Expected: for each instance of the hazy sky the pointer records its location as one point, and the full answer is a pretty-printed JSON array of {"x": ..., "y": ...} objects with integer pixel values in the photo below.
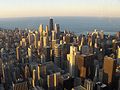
[{"x": 28, "y": 8}]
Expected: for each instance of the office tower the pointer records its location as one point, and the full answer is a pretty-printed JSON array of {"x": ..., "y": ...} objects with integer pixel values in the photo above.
[
  {"x": 33, "y": 77},
  {"x": 2, "y": 51},
  {"x": 109, "y": 67},
  {"x": 114, "y": 45},
  {"x": 50, "y": 81},
  {"x": 118, "y": 52},
  {"x": 57, "y": 30},
  {"x": 53, "y": 35},
  {"x": 30, "y": 54},
  {"x": 20, "y": 86},
  {"x": 40, "y": 43},
  {"x": 96, "y": 48},
  {"x": 53, "y": 43},
  {"x": 85, "y": 49},
  {"x": 42, "y": 58},
  {"x": 38, "y": 68},
  {"x": 85, "y": 65},
  {"x": 47, "y": 53},
  {"x": 66, "y": 39},
  {"x": 101, "y": 75},
  {"x": 41, "y": 30},
  {"x": 33, "y": 74},
  {"x": 18, "y": 53},
  {"x": 72, "y": 60},
  {"x": 7, "y": 75},
  {"x": 57, "y": 55},
  {"x": 89, "y": 39},
  {"x": 35, "y": 40},
  {"x": 81, "y": 43},
  {"x": 1, "y": 69},
  {"x": 101, "y": 33},
  {"x": 47, "y": 31},
  {"x": 23, "y": 42},
  {"x": 3, "y": 73},
  {"x": 27, "y": 72},
  {"x": 118, "y": 35},
  {"x": 45, "y": 41},
  {"x": 95, "y": 79},
  {"x": 88, "y": 84},
  {"x": 56, "y": 79},
  {"x": 31, "y": 38},
  {"x": 51, "y": 24},
  {"x": 64, "y": 49},
  {"x": 53, "y": 80},
  {"x": 43, "y": 70},
  {"x": 91, "y": 48},
  {"x": 15, "y": 73}
]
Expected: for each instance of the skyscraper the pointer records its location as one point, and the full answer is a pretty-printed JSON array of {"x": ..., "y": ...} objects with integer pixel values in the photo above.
[
  {"x": 57, "y": 55},
  {"x": 29, "y": 54},
  {"x": 72, "y": 60},
  {"x": 118, "y": 52},
  {"x": 27, "y": 73},
  {"x": 45, "y": 41},
  {"x": 88, "y": 84},
  {"x": 85, "y": 65},
  {"x": 51, "y": 24},
  {"x": 20, "y": 86},
  {"x": 41, "y": 30},
  {"x": 109, "y": 68}
]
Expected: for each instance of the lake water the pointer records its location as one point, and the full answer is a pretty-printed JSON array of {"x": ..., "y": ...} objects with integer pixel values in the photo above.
[{"x": 75, "y": 24}]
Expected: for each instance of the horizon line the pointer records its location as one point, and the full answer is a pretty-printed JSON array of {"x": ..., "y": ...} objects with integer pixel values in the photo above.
[{"x": 59, "y": 16}]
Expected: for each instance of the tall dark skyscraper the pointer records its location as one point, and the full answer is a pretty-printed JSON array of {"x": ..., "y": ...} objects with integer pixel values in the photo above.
[{"x": 51, "y": 24}]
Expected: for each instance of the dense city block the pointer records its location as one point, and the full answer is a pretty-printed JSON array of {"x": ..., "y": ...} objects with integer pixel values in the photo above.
[{"x": 53, "y": 59}]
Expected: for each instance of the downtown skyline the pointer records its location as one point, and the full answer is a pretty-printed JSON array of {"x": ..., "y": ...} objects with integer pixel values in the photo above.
[{"x": 36, "y": 8}]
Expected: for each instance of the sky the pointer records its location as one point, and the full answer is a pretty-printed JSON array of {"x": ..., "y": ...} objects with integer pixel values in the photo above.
[{"x": 36, "y": 8}]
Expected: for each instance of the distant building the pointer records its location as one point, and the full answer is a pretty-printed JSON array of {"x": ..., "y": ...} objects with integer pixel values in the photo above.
[
  {"x": 51, "y": 26},
  {"x": 20, "y": 86},
  {"x": 88, "y": 84}
]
